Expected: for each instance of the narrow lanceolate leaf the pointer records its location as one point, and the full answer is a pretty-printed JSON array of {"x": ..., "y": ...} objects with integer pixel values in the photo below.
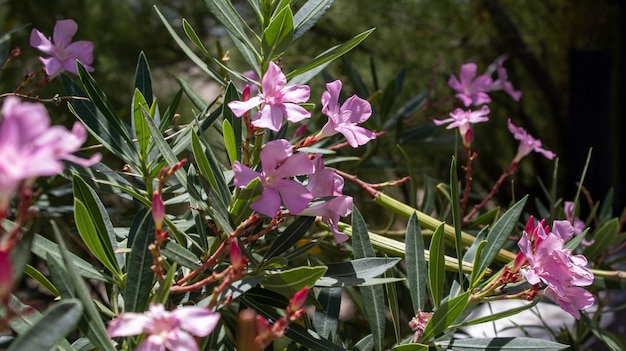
[
  {"x": 41, "y": 279},
  {"x": 394, "y": 306},
  {"x": 308, "y": 15},
  {"x": 95, "y": 227},
  {"x": 445, "y": 315},
  {"x": 476, "y": 274},
  {"x": 416, "y": 263},
  {"x": 603, "y": 238},
  {"x": 25, "y": 318},
  {"x": 289, "y": 237},
  {"x": 97, "y": 331},
  {"x": 231, "y": 94},
  {"x": 504, "y": 343},
  {"x": 373, "y": 296},
  {"x": 229, "y": 142},
  {"x": 104, "y": 130},
  {"x": 278, "y": 34},
  {"x": 321, "y": 61},
  {"x": 240, "y": 207},
  {"x": 58, "y": 321},
  {"x": 191, "y": 34},
  {"x": 500, "y": 233},
  {"x": 139, "y": 124},
  {"x": 210, "y": 168},
  {"x": 436, "y": 266},
  {"x": 456, "y": 215},
  {"x": 143, "y": 80},
  {"x": 292, "y": 280},
  {"x": 139, "y": 276},
  {"x": 327, "y": 320}
]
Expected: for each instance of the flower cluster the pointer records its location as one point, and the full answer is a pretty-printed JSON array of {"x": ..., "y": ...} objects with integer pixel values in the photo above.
[
  {"x": 281, "y": 167},
  {"x": 544, "y": 260}
]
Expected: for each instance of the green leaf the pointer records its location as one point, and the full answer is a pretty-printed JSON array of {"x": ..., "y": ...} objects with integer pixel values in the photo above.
[
  {"x": 42, "y": 247},
  {"x": 508, "y": 344},
  {"x": 436, "y": 266},
  {"x": 95, "y": 227},
  {"x": 289, "y": 237},
  {"x": 143, "y": 81},
  {"x": 326, "y": 319},
  {"x": 97, "y": 331},
  {"x": 139, "y": 125},
  {"x": 139, "y": 276},
  {"x": 210, "y": 168},
  {"x": 415, "y": 263},
  {"x": 229, "y": 142},
  {"x": 187, "y": 50},
  {"x": 191, "y": 34},
  {"x": 318, "y": 63},
  {"x": 500, "y": 233},
  {"x": 292, "y": 280},
  {"x": 170, "y": 112},
  {"x": 373, "y": 296},
  {"x": 308, "y": 15},
  {"x": 411, "y": 347},
  {"x": 278, "y": 34},
  {"x": 394, "y": 305},
  {"x": 603, "y": 238},
  {"x": 445, "y": 315},
  {"x": 367, "y": 267},
  {"x": 476, "y": 274},
  {"x": 109, "y": 131},
  {"x": 25, "y": 318},
  {"x": 230, "y": 19},
  {"x": 240, "y": 207},
  {"x": 456, "y": 215},
  {"x": 41, "y": 279},
  {"x": 61, "y": 279},
  {"x": 58, "y": 321},
  {"x": 499, "y": 315}
]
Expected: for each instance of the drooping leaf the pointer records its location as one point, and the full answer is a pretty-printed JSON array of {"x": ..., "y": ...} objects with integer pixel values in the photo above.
[
  {"x": 41, "y": 279},
  {"x": 56, "y": 322}
]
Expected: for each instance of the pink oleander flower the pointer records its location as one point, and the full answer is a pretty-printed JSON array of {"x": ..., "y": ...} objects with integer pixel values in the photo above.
[
  {"x": 279, "y": 164},
  {"x": 276, "y": 100},
  {"x": 327, "y": 186},
  {"x": 502, "y": 83},
  {"x": 171, "y": 330},
  {"x": 577, "y": 223},
  {"x": 471, "y": 89},
  {"x": 63, "y": 53},
  {"x": 548, "y": 262},
  {"x": 158, "y": 210},
  {"x": 30, "y": 147},
  {"x": 527, "y": 143},
  {"x": 344, "y": 119},
  {"x": 464, "y": 120}
]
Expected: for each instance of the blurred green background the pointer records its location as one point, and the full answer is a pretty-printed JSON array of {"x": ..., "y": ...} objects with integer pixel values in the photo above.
[{"x": 567, "y": 57}]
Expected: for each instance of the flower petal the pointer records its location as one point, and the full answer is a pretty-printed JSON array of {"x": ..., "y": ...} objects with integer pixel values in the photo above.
[
  {"x": 41, "y": 42},
  {"x": 330, "y": 97},
  {"x": 64, "y": 30},
  {"x": 295, "y": 113},
  {"x": 243, "y": 175},
  {"x": 295, "y": 196},
  {"x": 198, "y": 321},
  {"x": 127, "y": 324},
  {"x": 268, "y": 203},
  {"x": 274, "y": 153},
  {"x": 241, "y": 107}
]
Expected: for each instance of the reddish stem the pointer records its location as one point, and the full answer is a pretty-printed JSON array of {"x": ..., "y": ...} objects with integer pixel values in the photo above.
[{"x": 512, "y": 169}]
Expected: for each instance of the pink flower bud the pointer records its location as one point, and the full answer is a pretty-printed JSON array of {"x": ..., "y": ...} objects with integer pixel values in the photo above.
[
  {"x": 245, "y": 94},
  {"x": 158, "y": 210},
  {"x": 237, "y": 260},
  {"x": 298, "y": 300}
]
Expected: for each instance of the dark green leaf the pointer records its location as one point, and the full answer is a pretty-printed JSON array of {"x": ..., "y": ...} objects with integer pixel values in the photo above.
[
  {"x": 327, "y": 320},
  {"x": 41, "y": 279},
  {"x": 240, "y": 207},
  {"x": 603, "y": 238},
  {"x": 445, "y": 315},
  {"x": 436, "y": 266},
  {"x": 278, "y": 34},
  {"x": 416, "y": 263},
  {"x": 500, "y": 233},
  {"x": 58, "y": 275},
  {"x": 508, "y": 344},
  {"x": 456, "y": 216},
  {"x": 143, "y": 81},
  {"x": 308, "y": 15},
  {"x": 292, "y": 280},
  {"x": 139, "y": 125},
  {"x": 139, "y": 275},
  {"x": 289, "y": 237},
  {"x": 54, "y": 325}
]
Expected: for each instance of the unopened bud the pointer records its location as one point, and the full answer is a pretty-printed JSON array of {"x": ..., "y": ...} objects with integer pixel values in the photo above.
[
  {"x": 158, "y": 211},
  {"x": 298, "y": 300},
  {"x": 245, "y": 95}
]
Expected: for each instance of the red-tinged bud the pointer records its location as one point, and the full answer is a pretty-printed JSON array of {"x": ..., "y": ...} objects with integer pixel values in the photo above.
[
  {"x": 300, "y": 131},
  {"x": 177, "y": 166},
  {"x": 298, "y": 300},
  {"x": 263, "y": 328},
  {"x": 158, "y": 211},
  {"x": 245, "y": 95},
  {"x": 520, "y": 260},
  {"x": 6, "y": 275},
  {"x": 468, "y": 137},
  {"x": 530, "y": 225},
  {"x": 237, "y": 260},
  {"x": 16, "y": 52}
]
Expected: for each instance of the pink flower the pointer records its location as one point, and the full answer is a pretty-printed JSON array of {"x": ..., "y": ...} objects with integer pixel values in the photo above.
[
  {"x": 344, "y": 119},
  {"x": 502, "y": 83},
  {"x": 548, "y": 262},
  {"x": 30, "y": 147},
  {"x": 327, "y": 186},
  {"x": 276, "y": 100},
  {"x": 279, "y": 164},
  {"x": 158, "y": 210},
  {"x": 469, "y": 89},
  {"x": 463, "y": 120},
  {"x": 63, "y": 52},
  {"x": 170, "y": 330},
  {"x": 527, "y": 143}
]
